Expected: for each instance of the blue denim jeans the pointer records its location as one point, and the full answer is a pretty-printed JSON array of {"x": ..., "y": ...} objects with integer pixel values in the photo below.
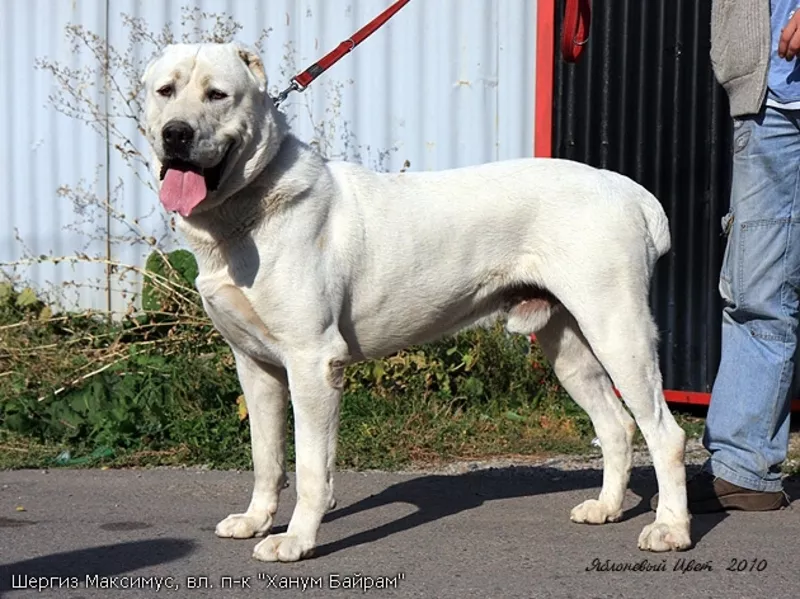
[{"x": 747, "y": 429}]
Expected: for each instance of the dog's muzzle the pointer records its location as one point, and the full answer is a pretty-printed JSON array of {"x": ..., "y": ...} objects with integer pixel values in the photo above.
[{"x": 185, "y": 183}]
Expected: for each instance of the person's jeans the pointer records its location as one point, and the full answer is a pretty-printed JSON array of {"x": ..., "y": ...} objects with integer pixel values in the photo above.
[{"x": 747, "y": 429}]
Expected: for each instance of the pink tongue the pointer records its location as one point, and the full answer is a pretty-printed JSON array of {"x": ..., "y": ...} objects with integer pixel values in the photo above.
[{"x": 182, "y": 191}]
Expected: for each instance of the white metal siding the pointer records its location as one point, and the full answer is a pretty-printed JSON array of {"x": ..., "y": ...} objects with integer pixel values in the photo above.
[{"x": 445, "y": 83}]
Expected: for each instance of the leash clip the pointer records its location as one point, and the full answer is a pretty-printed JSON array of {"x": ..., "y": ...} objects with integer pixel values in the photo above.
[{"x": 293, "y": 87}]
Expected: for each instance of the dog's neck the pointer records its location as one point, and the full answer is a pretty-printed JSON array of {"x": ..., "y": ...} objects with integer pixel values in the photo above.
[{"x": 211, "y": 232}]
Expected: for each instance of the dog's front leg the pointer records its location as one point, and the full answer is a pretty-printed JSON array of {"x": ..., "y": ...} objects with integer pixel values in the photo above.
[
  {"x": 266, "y": 390},
  {"x": 315, "y": 384}
]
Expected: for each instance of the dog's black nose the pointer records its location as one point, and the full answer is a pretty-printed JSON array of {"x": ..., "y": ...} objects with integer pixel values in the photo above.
[{"x": 178, "y": 137}]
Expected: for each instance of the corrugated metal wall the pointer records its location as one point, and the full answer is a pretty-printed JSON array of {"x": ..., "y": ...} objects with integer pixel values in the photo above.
[
  {"x": 643, "y": 101},
  {"x": 42, "y": 149},
  {"x": 443, "y": 84}
]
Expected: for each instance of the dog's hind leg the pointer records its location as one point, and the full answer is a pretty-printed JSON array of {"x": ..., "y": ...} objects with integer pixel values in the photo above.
[
  {"x": 623, "y": 336},
  {"x": 583, "y": 377},
  {"x": 266, "y": 391}
]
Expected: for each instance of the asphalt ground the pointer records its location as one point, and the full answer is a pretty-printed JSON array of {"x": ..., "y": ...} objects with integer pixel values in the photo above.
[{"x": 496, "y": 532}]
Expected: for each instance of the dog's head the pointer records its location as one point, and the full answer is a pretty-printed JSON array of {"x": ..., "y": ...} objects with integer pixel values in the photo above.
[{"x": 210, "y": 123}]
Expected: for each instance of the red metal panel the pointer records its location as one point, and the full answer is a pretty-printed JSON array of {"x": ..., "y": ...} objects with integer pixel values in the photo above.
[{"x": 545, "y": 50}]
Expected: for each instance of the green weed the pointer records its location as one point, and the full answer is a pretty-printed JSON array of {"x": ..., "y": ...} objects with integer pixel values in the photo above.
[{"x": 160, "y": 387}]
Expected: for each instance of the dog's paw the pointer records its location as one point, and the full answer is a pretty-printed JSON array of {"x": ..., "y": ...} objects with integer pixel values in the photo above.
[
  {"x": 665, "y": 537},
  {"x": 282, "y": 548},
  {"x": 594, "y": 511},
  {"x": 244, "y": 526}
]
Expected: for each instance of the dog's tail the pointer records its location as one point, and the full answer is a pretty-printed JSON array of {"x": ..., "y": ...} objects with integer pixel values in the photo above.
[
  {"x": 649, "y": 209},
  {"x": 657, "y": 225}
]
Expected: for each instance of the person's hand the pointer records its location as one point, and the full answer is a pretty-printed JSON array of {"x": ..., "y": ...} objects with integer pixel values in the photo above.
[{"x": 789, "y": 44}]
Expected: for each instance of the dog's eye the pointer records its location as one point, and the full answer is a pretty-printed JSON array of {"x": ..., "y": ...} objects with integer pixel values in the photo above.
[
  {"x": 215, "y": 94},
  {"x": 165, "y": 90}
]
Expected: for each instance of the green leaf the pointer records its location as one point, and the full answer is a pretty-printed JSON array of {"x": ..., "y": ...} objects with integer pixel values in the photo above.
[
  {"x": 469, "y": 360},
  {"x": 182, "y": 269},
  {"x": 511, "y": 415},
  {"x": 6, "y": 291},
  {"x": 26, "y": 298}
]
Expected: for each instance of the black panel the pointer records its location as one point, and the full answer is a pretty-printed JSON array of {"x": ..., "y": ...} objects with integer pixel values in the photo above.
[{"x": 643, "y": 101}]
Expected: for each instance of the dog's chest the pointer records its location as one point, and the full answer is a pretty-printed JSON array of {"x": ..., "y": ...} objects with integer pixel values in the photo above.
[{"x": 239, "y": 324}]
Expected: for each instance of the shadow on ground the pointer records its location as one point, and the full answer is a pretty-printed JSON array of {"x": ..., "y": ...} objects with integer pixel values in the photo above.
[
  {"x": 106, "y": 560},
  {"x": 440, "y": 496}
]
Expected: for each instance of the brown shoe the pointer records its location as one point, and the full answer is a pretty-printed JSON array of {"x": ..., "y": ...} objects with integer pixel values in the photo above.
[{"x": 707, "y": 493}]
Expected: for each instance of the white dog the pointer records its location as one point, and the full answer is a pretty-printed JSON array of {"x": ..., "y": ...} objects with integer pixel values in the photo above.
[{"x": 307, "y": 265}]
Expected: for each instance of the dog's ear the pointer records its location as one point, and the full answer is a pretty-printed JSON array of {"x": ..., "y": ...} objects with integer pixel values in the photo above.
[{"x": 254, "y": 64}]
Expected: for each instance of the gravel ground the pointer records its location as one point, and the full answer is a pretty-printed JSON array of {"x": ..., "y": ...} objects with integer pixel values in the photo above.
[{"x": 695, "y": 455}]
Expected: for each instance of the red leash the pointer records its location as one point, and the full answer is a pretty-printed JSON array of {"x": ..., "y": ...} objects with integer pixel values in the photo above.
[
  {"x": 575, "y": 31},
  {"x": 302, "y": 80}
]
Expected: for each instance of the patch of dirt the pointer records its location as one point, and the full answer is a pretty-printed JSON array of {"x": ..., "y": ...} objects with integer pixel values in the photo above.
[{"x": 696, "y": 454}]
